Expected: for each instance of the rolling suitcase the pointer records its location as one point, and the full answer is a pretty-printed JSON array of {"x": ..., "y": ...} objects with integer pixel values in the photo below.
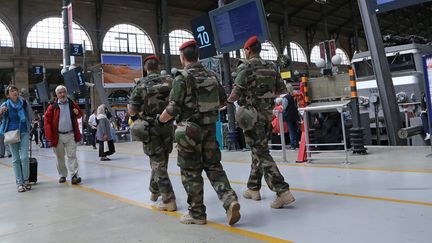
[{"x": 33, "y": 164}]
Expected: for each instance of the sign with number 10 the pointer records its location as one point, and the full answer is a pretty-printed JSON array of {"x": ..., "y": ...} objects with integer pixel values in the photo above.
[{"x": 203, "y": 34}]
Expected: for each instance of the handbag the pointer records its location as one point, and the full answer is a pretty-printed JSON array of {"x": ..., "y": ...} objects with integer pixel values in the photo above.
[
  {"x": 12, "y": 137},
  {"x": 106, "y": 147}
]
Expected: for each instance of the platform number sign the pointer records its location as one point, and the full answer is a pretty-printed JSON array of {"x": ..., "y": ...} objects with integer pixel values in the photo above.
[
  {"x": 203, "y": 37},
  {"x": 203, "y": 34},
  {"x": 76, "y": 49},
  {"x": 38, "y": 70}
]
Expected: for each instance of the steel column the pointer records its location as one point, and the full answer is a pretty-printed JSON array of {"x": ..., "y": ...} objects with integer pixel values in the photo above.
[
  {"x": 66, "y": 47},
  {"x": 232, "y": 133},
  {"x": 382, "y": 72},
  {"x": 324, "y": 16},
  {"x": 285, "y": 29},
  {"x": 165, "y": 31},
  {"x": 355, "y": 28}
]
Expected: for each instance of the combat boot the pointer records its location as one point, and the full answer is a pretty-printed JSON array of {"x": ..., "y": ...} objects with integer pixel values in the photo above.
[
  {"x": 187, "y": 219},
  {"x": 285, "y": 198},
  {"x": 251, "y": 194},
  {"x": 169, "y": 206},
  {"x": 233, "y": 213},
  {"x": 154, "y": 196}
]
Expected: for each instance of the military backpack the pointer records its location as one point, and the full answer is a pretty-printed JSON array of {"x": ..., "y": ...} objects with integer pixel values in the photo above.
[
  {"x": 155, "y": 95},
  {"x": 261, "y": 83},
  {"x": 205, "y": 89}
]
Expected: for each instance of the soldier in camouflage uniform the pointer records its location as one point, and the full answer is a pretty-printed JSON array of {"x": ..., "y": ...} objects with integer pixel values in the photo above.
[
  {"x": 194, "y": 101},
  {"x": 256, "y": 85},
  {"x": 148, "y": 99}
]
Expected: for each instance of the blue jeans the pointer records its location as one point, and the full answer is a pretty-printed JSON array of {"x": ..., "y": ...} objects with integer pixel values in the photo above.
[
  {"x": 292, "y": 129},
  {"x": 424, "y": 118},
  {"x": 20, "y": 158}
]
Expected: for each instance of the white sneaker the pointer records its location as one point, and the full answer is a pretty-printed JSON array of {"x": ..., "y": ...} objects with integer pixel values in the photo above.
[{"x": 427, "y": 137}]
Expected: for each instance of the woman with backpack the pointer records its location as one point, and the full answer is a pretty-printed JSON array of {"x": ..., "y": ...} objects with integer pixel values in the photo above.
[{"x": 15, "y": 127}]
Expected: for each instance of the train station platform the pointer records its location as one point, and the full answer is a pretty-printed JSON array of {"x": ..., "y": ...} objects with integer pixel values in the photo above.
[{"x": 385, "y": 196}]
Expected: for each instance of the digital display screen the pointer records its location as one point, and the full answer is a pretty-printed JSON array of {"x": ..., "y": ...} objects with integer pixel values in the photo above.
[
  {"x": 235, "y": 23},
  {"x": 389, "y": 5},
  {"x": 384, "y": 1},
  {"x": 120, "y": 71}
]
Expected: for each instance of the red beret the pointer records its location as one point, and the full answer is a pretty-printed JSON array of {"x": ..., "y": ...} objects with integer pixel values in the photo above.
[
  {"x": 188, "y": 43},
  {"x": 151, "y": 57},
  {"x": 252, "y": 40}
]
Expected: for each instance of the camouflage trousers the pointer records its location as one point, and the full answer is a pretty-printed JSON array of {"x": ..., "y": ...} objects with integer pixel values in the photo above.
[
  {"x": 158, "y": 149},
  {"x": 262, "y": 162},
  {"x": 204, "y": 156}
]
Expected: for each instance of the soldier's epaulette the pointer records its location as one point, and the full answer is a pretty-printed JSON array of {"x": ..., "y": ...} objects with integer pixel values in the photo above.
[
  {"x": 166, "y": 76},
  {"x": 183, "y": 73}
]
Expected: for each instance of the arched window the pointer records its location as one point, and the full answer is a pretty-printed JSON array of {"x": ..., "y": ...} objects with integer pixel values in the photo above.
[
  {"x": 48, "y": 34},
  {"x": 127, "y": 38},
  {"x": 5, "y": 36},
  {"x": 344, "y": 56},
  {"x": 176, "y": 39},
  {"x": 315, "y": 54},
  {"x": 297, "y": 53},
  {"x": 268, "y": 51},
  {"x": 234, "y": 55}
]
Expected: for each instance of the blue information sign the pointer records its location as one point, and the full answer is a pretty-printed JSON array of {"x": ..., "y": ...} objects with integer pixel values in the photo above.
[
  {"x": 76, "y": 49},
  {"x": 38, "y": 70}
]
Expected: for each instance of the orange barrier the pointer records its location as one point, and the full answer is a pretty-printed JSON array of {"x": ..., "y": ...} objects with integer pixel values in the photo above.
[{"x": 301, "y": 156}]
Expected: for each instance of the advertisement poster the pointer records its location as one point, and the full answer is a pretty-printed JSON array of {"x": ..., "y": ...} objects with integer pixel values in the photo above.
[
  {"x": 427, "y": 64},
  {"x": 120, "y": 71},
  {"x": 428, "y": 82}
]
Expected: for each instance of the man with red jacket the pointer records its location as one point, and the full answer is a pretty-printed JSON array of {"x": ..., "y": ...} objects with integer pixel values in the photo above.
[{"x": 61, "y": 129}]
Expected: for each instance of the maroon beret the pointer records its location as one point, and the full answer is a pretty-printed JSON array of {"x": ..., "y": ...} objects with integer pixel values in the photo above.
[
  {"x": 188, "y": 43},
  {"x": 252, "y": 40},
  {"x": 154, "y": 57}
]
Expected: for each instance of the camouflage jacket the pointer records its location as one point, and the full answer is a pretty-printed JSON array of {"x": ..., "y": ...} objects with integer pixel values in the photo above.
[
  {"x": 150, "y": 95},
  {"x": 196, "y": 95},
  {"x": 257, "y": 84}
]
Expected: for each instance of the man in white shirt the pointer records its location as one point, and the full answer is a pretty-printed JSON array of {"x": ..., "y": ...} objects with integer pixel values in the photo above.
[{"x": 92, "y": 126}]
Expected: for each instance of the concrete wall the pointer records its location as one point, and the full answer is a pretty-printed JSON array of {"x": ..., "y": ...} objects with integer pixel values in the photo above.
[{"x": 144, "y": 15}]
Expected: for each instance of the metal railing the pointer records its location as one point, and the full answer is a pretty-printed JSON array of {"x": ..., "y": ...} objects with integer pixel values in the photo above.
[{"x": 281, "y": 134}]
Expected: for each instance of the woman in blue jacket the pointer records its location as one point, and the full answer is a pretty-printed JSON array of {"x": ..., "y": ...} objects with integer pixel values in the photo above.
[{"x": 15, "y": 112}]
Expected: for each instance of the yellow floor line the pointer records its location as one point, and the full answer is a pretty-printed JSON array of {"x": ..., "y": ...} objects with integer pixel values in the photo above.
[
  {"x": 364, "y": 197},
  {"x": 357, "y": 168},
  {"x": 346, "y": 167},
  {"x": 292, "y": 189},
  {"x": 238, "y": 231}
]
